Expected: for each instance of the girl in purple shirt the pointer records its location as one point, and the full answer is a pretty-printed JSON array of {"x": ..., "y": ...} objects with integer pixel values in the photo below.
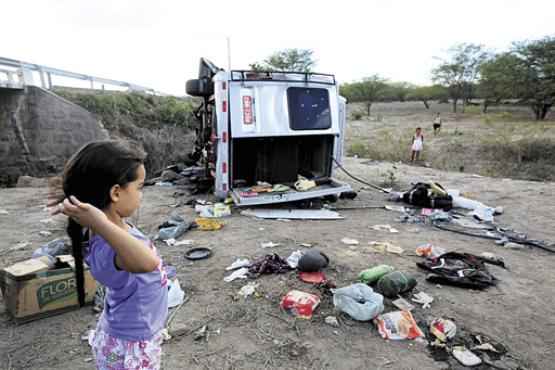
[{"x": 102, "y": 185}]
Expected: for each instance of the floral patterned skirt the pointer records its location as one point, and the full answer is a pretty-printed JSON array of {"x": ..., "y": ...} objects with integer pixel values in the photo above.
[{"x": 113, "y": 353}]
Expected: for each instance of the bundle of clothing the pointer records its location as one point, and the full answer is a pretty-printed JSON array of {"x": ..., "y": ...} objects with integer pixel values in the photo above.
[
  {"x": 428, "y": 195},
  {"x": 460, "y": 269}
]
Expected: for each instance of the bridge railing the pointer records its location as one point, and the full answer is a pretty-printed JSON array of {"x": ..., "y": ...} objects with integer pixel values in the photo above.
[{"x": 18, "y": 74}]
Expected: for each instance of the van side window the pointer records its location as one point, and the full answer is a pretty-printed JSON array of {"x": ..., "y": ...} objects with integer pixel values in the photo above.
[{"x": 309, "y": 108}]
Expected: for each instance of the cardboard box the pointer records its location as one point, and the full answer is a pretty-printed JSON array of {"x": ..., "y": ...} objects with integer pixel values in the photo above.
[{"x": 31, "y": 290}]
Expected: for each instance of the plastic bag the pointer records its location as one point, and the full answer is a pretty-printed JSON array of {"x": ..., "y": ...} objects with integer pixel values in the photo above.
[
  {"x": 373, "y": 274},
  {"x": 52, "y": 249},
  {"x": 358, "y": 301},
  {"x": 398, "y": 325},
  {"x": 300, "y": 304},
  {"x": 176, "y": 295}
]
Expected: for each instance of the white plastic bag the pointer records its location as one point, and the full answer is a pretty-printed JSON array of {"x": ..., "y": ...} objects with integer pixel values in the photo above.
[{"x": 358, "y": 301}]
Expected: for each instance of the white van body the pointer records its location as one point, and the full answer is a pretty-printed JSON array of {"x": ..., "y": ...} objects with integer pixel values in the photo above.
[{"x": 272, "y": 127}]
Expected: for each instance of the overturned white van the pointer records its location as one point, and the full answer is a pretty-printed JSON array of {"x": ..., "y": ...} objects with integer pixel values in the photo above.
[{"x": 268, "y": 128}]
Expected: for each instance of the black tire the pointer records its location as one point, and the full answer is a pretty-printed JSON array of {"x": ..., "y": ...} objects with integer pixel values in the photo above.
[{"x": 198, "y": 87}]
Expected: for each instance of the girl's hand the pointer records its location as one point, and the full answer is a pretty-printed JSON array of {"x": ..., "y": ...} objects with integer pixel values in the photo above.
[{"x": 84, "y": 214}]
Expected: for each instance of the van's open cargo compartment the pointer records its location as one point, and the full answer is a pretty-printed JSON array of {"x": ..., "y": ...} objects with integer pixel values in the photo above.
[{"x": 279, "y": 160}]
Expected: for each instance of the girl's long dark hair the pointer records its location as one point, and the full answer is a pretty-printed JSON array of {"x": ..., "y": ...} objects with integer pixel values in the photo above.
[{"x": 89, "y": 175}]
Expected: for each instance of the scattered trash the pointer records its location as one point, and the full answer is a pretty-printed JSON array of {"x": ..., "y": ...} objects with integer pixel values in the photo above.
[
  {"x": 293, "y": 259},
  {"x": 200, "y": 334},
  {"x": 174, "y": 243},
  {"x": 382, "y": 247},
  {"x": 426, "y": 211},
  {"x": 398, "y": 325},
  {"x": 399, "y": 209},
  {"x": 439, "y": 216},
  {"x": 269, "y": 264},
  {"x": 242, "y": 273},
  {"x": 385, "y": 228},
  {"x": 176, "y": 295},
  {"x": 395, "y": 283},
  {"x": 403, "y": 304},
  {"x": 423, "y": 298},
  {"x": 312, "y": 260},
  {"x": 332, "y": 321},
  {"x": 371, "y": 275},
  {"x": 492, "y": 257},
  {"x": 293, "y": 214},
  {"x": 248, "y": 289},
  {"x": 173, "y": 228},
  {"x": 358, "y": 301},
  {"x": 465, "y": 356},
  {"x": 208, "y": 224},
  {"x": 4, "y": 212},
  {"x": 460, "y": 269},
  {"x": 269, "y": 244},
  {"x": 443, "y": 329},
  {"x": 317, "y": 277},
  {"x": 217, "y": 210},
  {"x": 303, "y": 184},
  {"x": 300, "y": 304},
  {"x": 238, "y": 263},
  {"x": 478, "y": 209},
  {"x": 349, "y": 241},
  {"x": 198, "y": 253},
  {"x": 46, "y": 221},
  {"x": 45, "y": 233},
  {"x": 511, "y": 245},
  {"x": 305, "y": 245},
  {"x": 429, "y": 250}
]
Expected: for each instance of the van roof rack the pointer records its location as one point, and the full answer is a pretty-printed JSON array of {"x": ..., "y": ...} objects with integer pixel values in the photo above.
[{"x": 283, "y": 76}]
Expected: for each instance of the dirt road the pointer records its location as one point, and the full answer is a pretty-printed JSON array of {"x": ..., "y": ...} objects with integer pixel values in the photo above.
[{"x": 254, "y": 334}]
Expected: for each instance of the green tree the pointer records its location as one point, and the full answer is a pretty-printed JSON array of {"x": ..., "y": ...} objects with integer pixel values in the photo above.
[
  {"x": 368, "y": 91},
  {"x": 397, "y": 91},
  {"x": 427, "y": 93},
  {"x": 460, "y": 71},
  {"x": 287, "y": 60},
  {"x": 499, "y": 79}
]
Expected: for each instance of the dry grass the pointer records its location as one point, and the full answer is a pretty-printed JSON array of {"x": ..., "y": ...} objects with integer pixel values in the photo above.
[{"x": 503, "y": 143}]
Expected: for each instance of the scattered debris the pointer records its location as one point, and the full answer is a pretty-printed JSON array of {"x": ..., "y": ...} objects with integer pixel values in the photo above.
[
  {"x": 511, "y": 245},
  {"x": 269, "y": 244},
  {"x": 385, "y": 228},
  {"x": 242, "y": 273},
  {"x": 300, "y": 304},
  {"x": 317, "y": 277},
  {"x": 382, "y": 247},
  {"x": 398, "y": 325},
  {"x": 248, "y": 289},
  {"x": 198, "y": 253},
  {"x": 371, "y": 275},
  {"x": 349, "y": 241},
  {"x": 293, "y": 259},
  {"x": 176, "y": 295},
  {"x": 173, "y": 228},
  {"x": 332, "y": 321},
  {"x": 465, "y": 356},
  {"x": 269, "y": 264},
  {"x": 208, "y": 224},
  {"x": 394, "y": 283},
  {"x": 423, "y": 298},
  {"x": 45, "y": 233},
  {"x": 403, "y": 304},
  {"x": 443, "y": 329},
  {"x": 239, "y": 262},
  {"x": 460, "y": 269},
  {"x": 217, "y": 210},
  {"x": 4, "y": 212},
  {"x": 312, "y": 260},
  {"x": 429, "y": 250},
  {"x": 293, "y": 214},
  {"x": 400, "y": 209},
  {"x": 201, "y": 334},
  {"x": 359, "y": 301},
  {"x": 174, "y": 243}
]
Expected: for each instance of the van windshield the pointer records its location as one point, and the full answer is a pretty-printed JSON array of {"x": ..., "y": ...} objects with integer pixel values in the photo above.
[{"x": 309, "y": 108}]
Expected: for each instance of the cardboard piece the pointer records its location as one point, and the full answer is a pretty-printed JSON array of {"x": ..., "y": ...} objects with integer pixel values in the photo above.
[{"x": 32, "y": 291}]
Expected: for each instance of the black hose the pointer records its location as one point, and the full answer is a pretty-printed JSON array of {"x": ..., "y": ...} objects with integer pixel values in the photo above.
[{"x": 359, "y": 180}]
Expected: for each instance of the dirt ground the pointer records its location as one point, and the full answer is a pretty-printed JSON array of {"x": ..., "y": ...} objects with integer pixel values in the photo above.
[{"x": 255, "y": 334}]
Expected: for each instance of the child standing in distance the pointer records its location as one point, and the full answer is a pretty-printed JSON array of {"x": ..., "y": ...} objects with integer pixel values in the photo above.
[
  {"x": 417, "y": 144},
  {"x": 102, "y": 184},
  {"x": 437, "y": 123}
]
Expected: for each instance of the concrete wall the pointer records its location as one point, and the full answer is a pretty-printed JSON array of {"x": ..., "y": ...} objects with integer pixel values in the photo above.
[{"x": 39, "y": 131}]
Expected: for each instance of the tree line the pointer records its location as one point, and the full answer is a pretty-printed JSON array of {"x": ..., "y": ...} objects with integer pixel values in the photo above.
[{"x": 524, "y": 74}]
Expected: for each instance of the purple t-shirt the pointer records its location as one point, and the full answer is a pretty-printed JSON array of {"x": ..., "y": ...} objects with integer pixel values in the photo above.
[{"x": 136, "y": 304}]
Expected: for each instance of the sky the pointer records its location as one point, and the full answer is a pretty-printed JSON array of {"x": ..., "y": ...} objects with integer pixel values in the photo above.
[{"x": 158, "y": 43}]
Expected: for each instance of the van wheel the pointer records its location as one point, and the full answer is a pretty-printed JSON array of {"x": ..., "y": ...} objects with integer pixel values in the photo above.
[{"x": 198, "y": 87}]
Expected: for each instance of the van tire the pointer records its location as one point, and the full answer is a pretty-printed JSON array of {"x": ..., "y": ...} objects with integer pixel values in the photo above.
[{"x": 199, "y": 87}]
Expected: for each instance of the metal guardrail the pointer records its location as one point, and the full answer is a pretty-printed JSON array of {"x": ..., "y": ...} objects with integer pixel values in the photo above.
[{"x": 17, "y": 74}]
